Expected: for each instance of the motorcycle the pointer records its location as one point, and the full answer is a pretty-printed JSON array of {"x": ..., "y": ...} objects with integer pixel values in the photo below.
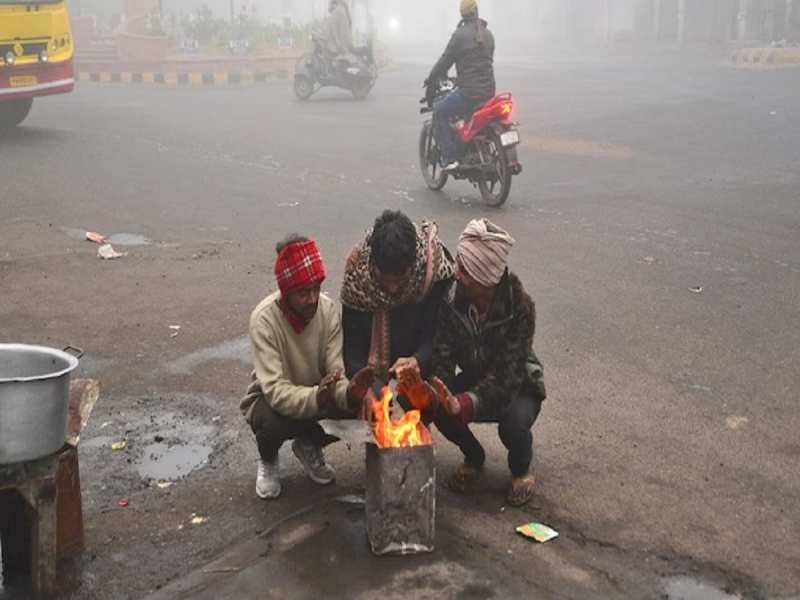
[
  {"x": 488, "y": 140},
  {"x": 316, "y": 70}
]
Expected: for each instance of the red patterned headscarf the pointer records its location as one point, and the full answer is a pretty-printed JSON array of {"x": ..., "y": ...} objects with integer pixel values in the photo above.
[{"x": 299, "y": 264}]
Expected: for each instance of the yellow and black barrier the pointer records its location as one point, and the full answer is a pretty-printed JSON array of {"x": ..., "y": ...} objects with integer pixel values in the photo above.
[
  {"x": 766, "y": 58},
  {"x": 183, "y": 79}
]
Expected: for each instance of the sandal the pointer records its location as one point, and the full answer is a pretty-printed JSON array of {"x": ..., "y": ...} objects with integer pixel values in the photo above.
[
  {"x": 521, "y": 490},
  {"x": 463, "y": 478}
]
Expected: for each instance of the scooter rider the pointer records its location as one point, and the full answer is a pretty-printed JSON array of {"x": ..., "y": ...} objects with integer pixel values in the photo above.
[
  {"x": 471, "y": 49},
  {"x": 338, "y": 33}
]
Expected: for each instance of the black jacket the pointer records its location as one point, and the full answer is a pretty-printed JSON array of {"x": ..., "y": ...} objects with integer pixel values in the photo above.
[
  {"x": 496, "y": 357},
  {"x": 471, "y": 49},
  {"x": 411, "y": 331}
]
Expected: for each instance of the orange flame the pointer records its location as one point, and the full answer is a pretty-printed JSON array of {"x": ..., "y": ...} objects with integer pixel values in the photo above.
[{"x": 405, "y": 432}]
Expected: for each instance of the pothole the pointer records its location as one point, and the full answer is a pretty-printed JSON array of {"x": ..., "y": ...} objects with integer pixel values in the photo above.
[
  {"x": 162, "y": 461},
  {"x": 174, "y": 447}
]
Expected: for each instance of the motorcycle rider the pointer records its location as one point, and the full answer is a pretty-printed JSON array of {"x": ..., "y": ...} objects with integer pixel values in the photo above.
[
  {"x": 471, "y": 49},
  {"x": 338, "y": 33}
]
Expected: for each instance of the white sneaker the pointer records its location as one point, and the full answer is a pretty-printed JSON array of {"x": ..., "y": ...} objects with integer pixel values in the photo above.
[
  {"x": 453, "y": 166},
  {"x": 268, "y": 481},
  {"x": 313, "y": 461}
]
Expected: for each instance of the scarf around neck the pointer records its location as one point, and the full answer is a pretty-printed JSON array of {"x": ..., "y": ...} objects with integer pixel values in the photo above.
[{"x": 361, "y": 290}]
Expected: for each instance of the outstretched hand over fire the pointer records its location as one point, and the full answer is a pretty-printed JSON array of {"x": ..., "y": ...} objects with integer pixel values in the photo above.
[
  {"x": 358, "y": 387},
  {"x": 419, "y": 393},
  {"x": 404, "y": 364},
  {"x": 450, "y": 403},
  {"x": 326, "y": 391}
]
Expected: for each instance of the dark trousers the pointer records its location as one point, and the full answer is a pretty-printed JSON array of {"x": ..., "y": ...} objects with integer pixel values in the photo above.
[
  {"x": 272, "y": 429},
  {"x": 455, "y": 104},
  {"x": 514, "y": 425}
]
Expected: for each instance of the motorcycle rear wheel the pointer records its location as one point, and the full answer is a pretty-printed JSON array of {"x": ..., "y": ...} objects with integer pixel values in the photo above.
[
  {"x": 495, "y": 187},
  {"x": 303, "y": 87},
  {"x": 432, "y": 172},
  {"x": 361, "y": 90}
]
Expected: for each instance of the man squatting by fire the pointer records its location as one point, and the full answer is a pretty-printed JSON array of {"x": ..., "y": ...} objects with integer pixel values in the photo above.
[
  {"x": 486, "y": 323},
  {"x": 401, "y": 286},
  {"x": 296, "y": 336},
  {"x": 393, "y": 285}
]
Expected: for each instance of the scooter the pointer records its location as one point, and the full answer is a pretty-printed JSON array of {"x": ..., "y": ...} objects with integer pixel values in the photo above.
[{"x": 315, "y": 70}]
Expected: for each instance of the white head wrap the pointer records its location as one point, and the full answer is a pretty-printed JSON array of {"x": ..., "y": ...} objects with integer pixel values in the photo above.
[{"x": 483, "y": 250}]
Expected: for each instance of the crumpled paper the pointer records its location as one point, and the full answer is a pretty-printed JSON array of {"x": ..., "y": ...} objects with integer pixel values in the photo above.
[{"x": 107, "y": 252}]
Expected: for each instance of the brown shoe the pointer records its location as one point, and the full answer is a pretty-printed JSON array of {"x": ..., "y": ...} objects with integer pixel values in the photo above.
[
  {"x": 521, "y": 490},
  {"x": 464, "y": 477}
]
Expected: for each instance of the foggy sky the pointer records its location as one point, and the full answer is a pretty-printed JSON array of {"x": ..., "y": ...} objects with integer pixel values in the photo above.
[{"x": 430, "y": 22}]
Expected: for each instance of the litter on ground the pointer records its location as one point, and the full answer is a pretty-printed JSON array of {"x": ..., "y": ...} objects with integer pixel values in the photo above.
[
  {"x": 97, "y": 238},
  {"x": 537, "y": 531},
  {"x": 107, "y": 252}
]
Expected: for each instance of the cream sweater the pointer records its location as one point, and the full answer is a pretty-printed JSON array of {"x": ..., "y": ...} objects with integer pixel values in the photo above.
[{"x": 288, "y": 365}]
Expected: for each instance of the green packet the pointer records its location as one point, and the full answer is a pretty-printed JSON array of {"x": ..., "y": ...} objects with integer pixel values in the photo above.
[{"x": 537, "y": 531}]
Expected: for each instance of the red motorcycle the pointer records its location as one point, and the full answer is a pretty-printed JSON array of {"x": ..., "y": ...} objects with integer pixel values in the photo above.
[{"x": 489, "y": 140}]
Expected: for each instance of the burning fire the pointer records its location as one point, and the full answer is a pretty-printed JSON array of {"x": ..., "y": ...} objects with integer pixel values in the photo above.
[{"x": 405, "y": 432}]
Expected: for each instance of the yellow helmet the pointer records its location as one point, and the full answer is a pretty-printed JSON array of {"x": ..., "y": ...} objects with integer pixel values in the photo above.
[{"x": 469, "y": 8}]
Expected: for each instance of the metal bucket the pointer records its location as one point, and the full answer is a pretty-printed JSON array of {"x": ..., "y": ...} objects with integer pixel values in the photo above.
[
  {"x": 34, "y": 397},
  {"x": 401, "y": 499}
]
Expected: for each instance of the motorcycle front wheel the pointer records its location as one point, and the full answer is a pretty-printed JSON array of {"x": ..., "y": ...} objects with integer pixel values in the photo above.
[
  {"x": 435, "y": 178},
  {"x": 495, "y": 185}
]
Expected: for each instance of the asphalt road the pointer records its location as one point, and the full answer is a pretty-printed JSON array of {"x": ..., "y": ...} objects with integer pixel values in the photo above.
[{"x": 658, "y": 229}]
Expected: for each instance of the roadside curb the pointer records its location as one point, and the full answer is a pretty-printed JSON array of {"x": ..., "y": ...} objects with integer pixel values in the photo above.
[
  {"x": 184, "y": 79},
  {"x": 766, "y": 58}
]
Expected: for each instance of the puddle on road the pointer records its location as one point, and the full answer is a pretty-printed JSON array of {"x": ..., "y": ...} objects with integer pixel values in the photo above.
[
  {"x": 117, "y": 239},
  {"x": 163, "y": 461},
  {"x": 232, "y": 350},
  {"x": 687, "y": 588},
  {"x": 129, "y": 239},
  {"x": 174, "y": 447}
]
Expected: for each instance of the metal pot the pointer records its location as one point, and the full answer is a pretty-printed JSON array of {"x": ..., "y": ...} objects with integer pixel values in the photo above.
[{"x": 34, "y": 397}]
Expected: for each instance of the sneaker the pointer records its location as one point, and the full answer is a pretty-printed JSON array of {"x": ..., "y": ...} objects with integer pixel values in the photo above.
[
  {"x": 268, "y": 481},
  {"x": 313, "y": 461},
  {"x": 453, "y": 166}
]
